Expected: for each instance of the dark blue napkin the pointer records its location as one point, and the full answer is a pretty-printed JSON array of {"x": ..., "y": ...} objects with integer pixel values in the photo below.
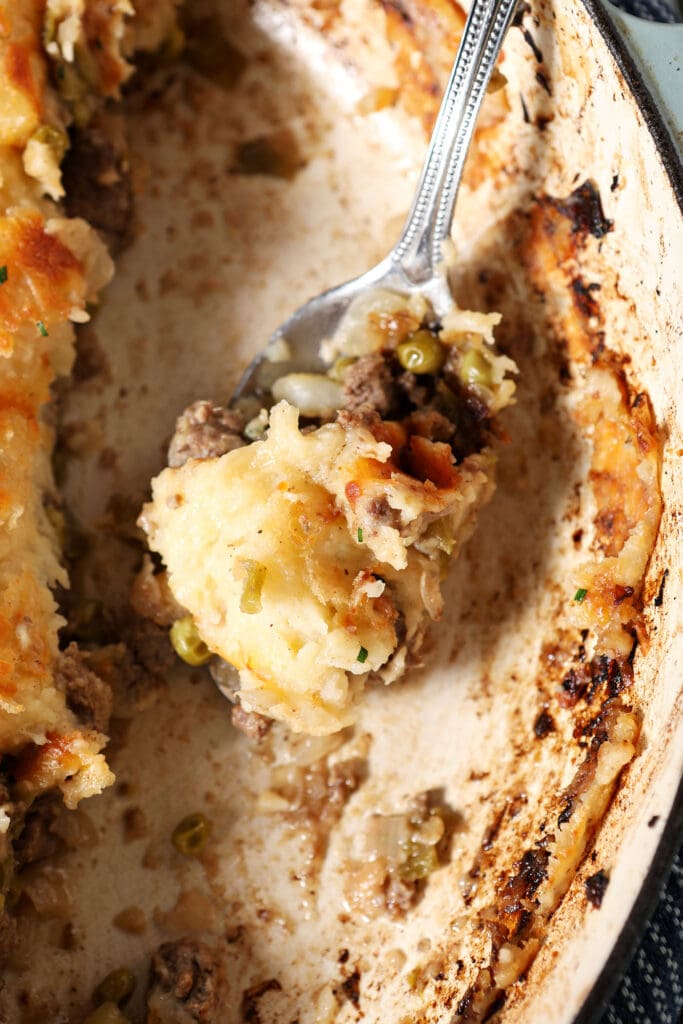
[
  {"x": 651, "y": 10},
  {"x": 651, "y": 990}
]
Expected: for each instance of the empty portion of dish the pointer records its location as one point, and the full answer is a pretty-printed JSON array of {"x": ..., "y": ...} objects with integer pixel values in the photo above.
[{"x": 311, "y": 558}]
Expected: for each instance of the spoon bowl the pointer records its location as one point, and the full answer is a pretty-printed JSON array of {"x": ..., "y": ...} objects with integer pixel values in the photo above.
[{"x": 416, "y": 264}]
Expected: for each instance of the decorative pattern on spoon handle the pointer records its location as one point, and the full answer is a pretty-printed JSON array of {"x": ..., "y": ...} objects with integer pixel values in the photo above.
[{"x": 418, "y": 251}]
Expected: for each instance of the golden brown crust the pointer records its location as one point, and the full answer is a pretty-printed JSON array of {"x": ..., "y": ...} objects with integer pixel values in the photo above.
[
  {"x": 46, "y": 276},
  {"x": 625, "y": 448},
  {"x": 22, "y": 70},
  {"x": 552, "y": 239}
]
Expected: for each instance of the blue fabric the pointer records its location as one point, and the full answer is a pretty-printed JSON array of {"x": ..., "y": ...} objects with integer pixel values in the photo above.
[
  {"x": 650, "y": 10},
  {"x": 651, "y": 991}
]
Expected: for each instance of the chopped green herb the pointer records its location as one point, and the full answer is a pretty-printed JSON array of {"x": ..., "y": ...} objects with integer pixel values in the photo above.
[
  {"x": 580, "y": 594},
  {"x": 3, "y": 273},
  {"x": 255, "y": 575},
  {"x": 360, "y": 535},
  {"x": 42, "y": 328},
  {"x": 362, "y": 655}
]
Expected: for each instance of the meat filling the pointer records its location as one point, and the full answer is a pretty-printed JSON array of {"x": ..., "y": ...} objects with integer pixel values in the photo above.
[
  {"x": 436, "y": 406},
  {"x": 205, "y": 431},
  {"x": 88, "y": 696},
  {"x": 97, "y": 183},
  {"x": 370, "y": 384},
  {"x": 185, "y": 984},
  {"x": 377, "y": 465}
]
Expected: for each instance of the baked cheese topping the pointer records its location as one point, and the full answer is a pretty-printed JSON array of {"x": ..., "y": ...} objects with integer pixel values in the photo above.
[{"x": 310, "y": 560}]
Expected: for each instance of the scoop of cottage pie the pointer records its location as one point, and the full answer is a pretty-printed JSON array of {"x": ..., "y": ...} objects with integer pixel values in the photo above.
[{"x": 306, "y": 546}]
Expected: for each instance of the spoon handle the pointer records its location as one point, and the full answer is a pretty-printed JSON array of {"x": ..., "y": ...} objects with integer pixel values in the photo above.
[{"x": 419, "y": 250}]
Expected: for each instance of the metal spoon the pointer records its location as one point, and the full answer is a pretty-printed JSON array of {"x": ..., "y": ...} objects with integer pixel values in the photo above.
[{"x": 415, "y": 264}]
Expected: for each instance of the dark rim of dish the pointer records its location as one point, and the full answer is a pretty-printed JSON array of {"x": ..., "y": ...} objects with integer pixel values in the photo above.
[
  {"x": 671, "y": 157},
  {"x": 672, "y": 835},
  {"x": 624, "y": 948}
]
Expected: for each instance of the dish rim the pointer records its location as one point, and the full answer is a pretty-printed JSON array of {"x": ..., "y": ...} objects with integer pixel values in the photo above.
[
  {"x": 634, "y": 928},
  {"x": 671, "y": 157},
  {"x": 644, "y": 905}
]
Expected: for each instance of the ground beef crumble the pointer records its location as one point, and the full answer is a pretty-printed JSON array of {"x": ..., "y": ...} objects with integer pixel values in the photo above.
[
  {"x": 369, "y": 384},
  {"x": 437, "y": 407},
  {"x": 186, "y": 973},
  {"x": 432, "y": 424},
  {"x": 88, "y": 696},
  {"x": 251, "y": 723},
  {"x": 97, "y": 183},
  {"x": 205, "y": 431},
  {"x": 317, "y": 795},
  {"x": 149, "y": 645},
  {"x": 37, "y": 840}
]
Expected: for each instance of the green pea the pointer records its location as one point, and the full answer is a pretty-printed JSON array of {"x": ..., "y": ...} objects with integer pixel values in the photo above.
[
  {"x": 107, "y": 1013},
  {"x": 250, "y": 602},
  {"x": 116, "y": 988},
  {"x": 475, "y": 368},
  {"x": 191, "y": 835},
  {"x": 187, "y": 642},
  {"x": 339, "y": 367},
  {"x": 421, "y": 352},
  {"x": 275, "y": 156}
]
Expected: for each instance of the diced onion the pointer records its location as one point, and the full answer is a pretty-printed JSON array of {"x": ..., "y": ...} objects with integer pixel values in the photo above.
[
  {"x": 46, "y": 889},
  {"x": 278, "y": 350},
  {"x": 313, "y": 394},
  {"x": 388, "y": 836}
]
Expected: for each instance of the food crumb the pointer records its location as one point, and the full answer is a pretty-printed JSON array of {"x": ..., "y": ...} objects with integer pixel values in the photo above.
[
  {"x": 351, "y": 987},
  {"x": 543, "y": 724},
  {"x": 134, "y": 824},
  {"x": 595, "y": 887},
  {"x": 131, "y": 920}
]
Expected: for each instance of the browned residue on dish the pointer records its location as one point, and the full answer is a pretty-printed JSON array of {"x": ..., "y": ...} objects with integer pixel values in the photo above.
[
  {"x": 590, "y": 698},
  {"x": 626, "y": 450},
  {"x": 424, "y": 38}
]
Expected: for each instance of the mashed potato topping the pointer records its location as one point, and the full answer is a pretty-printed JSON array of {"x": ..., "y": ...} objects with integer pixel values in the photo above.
[
  {"x": 52, "y": 268},
  {"x": 311, "y": 559},
  {"x": 337, "y": 578}
]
